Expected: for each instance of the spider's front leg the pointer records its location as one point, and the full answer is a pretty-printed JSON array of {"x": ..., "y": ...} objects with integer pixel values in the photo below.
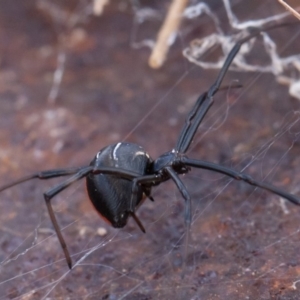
[
  {"x": 164, "y": 174},
  {"x": 144, "y": 183}
]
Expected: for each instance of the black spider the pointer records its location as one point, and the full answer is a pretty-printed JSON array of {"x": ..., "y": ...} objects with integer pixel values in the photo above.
[{"x": 121, "y": 174}]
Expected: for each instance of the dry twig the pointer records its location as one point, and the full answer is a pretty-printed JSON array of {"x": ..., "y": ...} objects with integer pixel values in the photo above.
[
  {"x": 288, "y": 7},
  {"x": 167, "y": 33},
  {"x": 98, "y": 6}
]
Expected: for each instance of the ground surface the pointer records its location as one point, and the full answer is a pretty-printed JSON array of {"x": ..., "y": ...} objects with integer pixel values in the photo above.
[{"x": 244, "y": 244}]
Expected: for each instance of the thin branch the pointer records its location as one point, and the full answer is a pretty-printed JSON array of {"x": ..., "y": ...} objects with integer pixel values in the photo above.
[
  {"x": 289, "y": 8},
  {"x": 167, "y": 33}
]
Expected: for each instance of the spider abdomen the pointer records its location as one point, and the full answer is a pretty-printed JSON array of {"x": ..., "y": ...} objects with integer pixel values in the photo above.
[{"x": 110, "y": 194}]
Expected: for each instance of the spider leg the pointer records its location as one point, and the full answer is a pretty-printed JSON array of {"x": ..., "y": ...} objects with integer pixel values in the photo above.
[
  {"x": 186, "y": 196},
  {"x": 142, "y": 180},
  {"x": 205, "y": 101},
  {"x": 191, "y": 116},
  {"x": 138, "y": 221},
  {"x": 58, "y": 232},
  {"x": 136, "y": 182},
  {"x": 60, "y": 187},
  {"x": 158, "y": 178},
  {"x": 48, "y": 174},
  {"x": 188, "y": 121},
  {"x": 119, "y": 172},
  {"x": 50, "y": 194},
  {"x": 83, "y": 172},
  {"x": 150, "y": 198},
  {"x": 239, "y": 176}
]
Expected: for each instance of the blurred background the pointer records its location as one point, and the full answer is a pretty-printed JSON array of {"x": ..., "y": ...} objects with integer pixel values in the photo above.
[{"x": 74, "y": 79}]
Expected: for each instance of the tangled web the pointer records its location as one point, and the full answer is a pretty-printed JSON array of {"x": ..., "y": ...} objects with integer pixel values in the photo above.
[{"x": 244, "y": 243}]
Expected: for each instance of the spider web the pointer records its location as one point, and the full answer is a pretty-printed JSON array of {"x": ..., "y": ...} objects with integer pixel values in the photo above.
[
  {"x": 278, "y": 65},
  {"x": 70, "y": 85}
]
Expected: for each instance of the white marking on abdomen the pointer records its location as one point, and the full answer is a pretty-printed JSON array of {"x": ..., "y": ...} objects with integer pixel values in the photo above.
[
  {"x": 139, "y": 153},
  {"x": 115, "y": 157},
  {"x": 97, "y": 156}
]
